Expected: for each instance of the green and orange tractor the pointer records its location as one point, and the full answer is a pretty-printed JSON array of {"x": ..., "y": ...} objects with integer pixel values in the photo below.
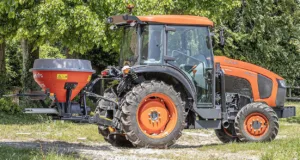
[
  {"x": 171, "y": 80},
  {"x": 168, "y": 80}
]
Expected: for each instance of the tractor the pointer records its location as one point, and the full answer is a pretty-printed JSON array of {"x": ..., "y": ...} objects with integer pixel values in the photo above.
[
  {"x": 170, "y": 81},
  {"x": 167, "y": 80}
]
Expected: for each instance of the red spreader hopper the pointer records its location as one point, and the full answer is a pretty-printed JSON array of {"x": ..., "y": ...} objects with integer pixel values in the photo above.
[{"x": 56, "y": 74}]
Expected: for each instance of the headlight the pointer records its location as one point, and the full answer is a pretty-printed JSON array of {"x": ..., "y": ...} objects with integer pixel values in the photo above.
[
  {"x": 281, "y": 83},
  {"x": 125, "y": 70}
]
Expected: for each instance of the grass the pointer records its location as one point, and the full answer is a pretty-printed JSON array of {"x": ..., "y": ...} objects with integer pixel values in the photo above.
[
  {"x": 28, "y": 127},
  {"x": 41, "y": 128},
  {"x": 10, "y": 153},
  {"x": 25, "y": 127}
]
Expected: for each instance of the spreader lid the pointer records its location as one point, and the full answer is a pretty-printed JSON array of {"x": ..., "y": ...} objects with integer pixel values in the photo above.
[{"x": 77, "y": 65}]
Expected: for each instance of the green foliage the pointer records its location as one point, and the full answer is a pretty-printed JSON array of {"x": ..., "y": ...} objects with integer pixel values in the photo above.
[
  {"x": 13, "y": 64},
  {"x": 7, "y": 106},
  {"x": 266, "y": 33},
  {"x": 47, "y": 52},
  {"x": 101, "y": 59}
]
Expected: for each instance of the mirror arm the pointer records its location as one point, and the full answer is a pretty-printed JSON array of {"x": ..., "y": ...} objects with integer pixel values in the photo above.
[{"x": 222, "y": 39}]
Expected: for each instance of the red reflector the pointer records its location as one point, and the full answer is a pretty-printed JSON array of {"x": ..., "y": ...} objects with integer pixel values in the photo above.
[{"x": 104, "y": 73}]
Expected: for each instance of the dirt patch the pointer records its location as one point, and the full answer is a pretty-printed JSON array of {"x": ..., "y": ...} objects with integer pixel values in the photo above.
[{"x": 189, "y": 146}]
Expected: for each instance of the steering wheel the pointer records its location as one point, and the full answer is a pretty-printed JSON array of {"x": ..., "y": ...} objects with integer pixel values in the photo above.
[{"x": 180, "y": 54}]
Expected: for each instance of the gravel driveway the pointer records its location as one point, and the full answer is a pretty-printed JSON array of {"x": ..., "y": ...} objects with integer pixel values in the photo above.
[{"x": 189, "y": 146}]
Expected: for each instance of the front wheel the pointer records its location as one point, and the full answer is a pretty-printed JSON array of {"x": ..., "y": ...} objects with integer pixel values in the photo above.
[
  {"x": 256, "y": 122},
  {"x": 153, "y": 115}
]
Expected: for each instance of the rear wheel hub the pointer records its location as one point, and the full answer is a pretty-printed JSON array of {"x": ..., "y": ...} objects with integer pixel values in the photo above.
[{"x": 157, "y": 115}]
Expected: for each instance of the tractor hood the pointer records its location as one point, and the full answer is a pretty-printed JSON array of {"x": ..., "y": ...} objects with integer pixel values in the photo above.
[{"x": 224, "y": 61}]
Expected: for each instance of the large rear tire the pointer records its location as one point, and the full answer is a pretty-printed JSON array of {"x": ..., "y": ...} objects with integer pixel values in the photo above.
[
  {"x": 256, "y": 122},
  {"x": 116, "y": 140},
  {"x": 153, "y": 115}
]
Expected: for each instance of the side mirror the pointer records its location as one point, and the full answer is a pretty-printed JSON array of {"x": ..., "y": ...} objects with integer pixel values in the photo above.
[
  {"x": 222, "y": 38},
  {"x": 212, "y": 37}
]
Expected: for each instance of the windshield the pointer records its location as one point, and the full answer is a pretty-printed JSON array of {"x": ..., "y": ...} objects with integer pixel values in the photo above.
[{"x": 129, "y": 49}]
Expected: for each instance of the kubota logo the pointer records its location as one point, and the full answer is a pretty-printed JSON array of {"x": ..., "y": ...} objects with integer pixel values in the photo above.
[{"x": 231, "y": 61}]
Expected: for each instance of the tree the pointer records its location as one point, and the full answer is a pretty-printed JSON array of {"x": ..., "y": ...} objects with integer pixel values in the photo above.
[
  {"x": 267, "y": 33},
  {"x": 70, "y": 23},
  {"x": 7, "y": 29}
]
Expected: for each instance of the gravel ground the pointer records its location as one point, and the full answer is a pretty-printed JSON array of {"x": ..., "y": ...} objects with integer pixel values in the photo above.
[{"x": 189, "y": 146}]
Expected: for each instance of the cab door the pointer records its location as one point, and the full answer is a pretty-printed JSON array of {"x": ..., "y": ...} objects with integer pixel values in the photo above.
[{"x": 191, "y": 48}]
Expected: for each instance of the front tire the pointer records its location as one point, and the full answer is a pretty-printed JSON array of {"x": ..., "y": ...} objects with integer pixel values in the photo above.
[
  {"x": 153, "y": 115},
  {"x": 256, "y": 122}
]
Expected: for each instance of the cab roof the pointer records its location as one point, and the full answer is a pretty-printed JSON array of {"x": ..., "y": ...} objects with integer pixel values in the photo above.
[
  {"x": 177, "y": 19},
  {"x": 161, "y": 19}
]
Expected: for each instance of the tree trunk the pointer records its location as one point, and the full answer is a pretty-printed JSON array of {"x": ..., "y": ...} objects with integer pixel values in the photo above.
[
  {"x": 68, "y": 55},
  {"x": 2, "y": 58},
  {"x": 3, "y": 85},
  {"x": 29, "y": 55}
]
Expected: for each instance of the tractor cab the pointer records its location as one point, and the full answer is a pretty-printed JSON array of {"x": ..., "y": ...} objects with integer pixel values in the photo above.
[{"x": 183, "y": 42}]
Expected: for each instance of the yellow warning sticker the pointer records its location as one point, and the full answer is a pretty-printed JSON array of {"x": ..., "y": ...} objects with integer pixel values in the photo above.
[
  {"x": 62, "y": 76},
  {"x": 89, "y": 78}
]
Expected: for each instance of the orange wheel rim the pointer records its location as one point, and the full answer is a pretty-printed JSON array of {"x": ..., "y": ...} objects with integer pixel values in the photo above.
[
  {"x": 157, "y": 115},
  {"x": 256, "y": 124}
]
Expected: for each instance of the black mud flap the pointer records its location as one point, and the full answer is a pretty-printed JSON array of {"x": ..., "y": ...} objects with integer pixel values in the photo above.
[{"x": 285, "y": 112}]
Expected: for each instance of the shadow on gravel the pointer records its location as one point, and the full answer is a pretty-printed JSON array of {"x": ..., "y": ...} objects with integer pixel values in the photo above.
[
  {"x": 65, "y": 147},
  {"x": 180, "y": 146},
  {"x": 58, "y": 146}
]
